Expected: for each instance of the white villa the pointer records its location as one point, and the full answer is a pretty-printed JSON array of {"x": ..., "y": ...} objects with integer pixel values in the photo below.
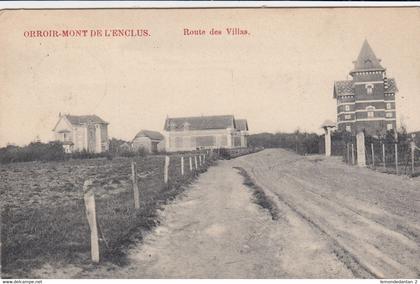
[
  {"x": 83, "y": 132},
  {"x": 205, "y": 132}
]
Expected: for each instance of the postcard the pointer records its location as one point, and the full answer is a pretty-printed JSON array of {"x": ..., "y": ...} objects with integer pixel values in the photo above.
[{"x": 210, "y": 143}]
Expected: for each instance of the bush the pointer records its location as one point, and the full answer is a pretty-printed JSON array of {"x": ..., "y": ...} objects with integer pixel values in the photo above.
[
  {"x": 84, "y": 154},
  {"x": 37, "y": 151}
]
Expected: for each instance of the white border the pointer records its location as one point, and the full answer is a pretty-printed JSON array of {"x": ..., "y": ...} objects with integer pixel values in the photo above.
[{"x": 195, "y": 4}]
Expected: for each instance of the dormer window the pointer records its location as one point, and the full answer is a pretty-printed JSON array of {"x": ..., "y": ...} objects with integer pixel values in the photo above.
[
  {"x": 369, "y": 89},
  {"x": 172, "y": 125},
  {"x": 186, "y": 126}
]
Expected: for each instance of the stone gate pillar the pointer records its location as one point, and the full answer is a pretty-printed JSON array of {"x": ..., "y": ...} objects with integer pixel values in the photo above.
[{"x": 327, "y": 141}]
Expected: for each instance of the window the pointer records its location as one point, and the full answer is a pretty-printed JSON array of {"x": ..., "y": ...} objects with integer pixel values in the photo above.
[
  {"x": 389, "y": 114},
  {"x": 370, "y": 111},
  {"x": 348, "y": 128},
  {"x": 347, "y": 116},
  {"x": 388, "y": 105},
  {"x": 66, "y": 137},
  {"x": 178, "y": 142},
  {"x": 347, "y": 107},
  {"x": 205, "y": 141},
  {"x": 369, "y": 89},
  {"x": 187, "y": 126},
  {"x": 223, "y": 141},
  {"x": 389, "y": 126}
]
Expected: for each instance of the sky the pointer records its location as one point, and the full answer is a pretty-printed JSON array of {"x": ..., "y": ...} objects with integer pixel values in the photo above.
[{"x": 279, "y": 77}]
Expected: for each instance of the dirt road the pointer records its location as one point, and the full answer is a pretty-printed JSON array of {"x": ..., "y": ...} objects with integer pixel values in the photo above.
[
  {"x": 370, "y": 220},
  {"x": 334, "y": 221}
]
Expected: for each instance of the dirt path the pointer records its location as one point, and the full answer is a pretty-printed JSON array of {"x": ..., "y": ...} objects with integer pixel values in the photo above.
[
  {"x": 334, "y": 222},
  {"x": 371, "y": 220}
]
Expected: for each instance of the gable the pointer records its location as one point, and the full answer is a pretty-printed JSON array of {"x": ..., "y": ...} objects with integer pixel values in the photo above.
[
  {"x": 63, "y": 125},
  {"x": 391, "y": 86},
  {"x": 154, "y": 135},
  {"x": 241, "y": 124},
  {"x": 343, "y": 88}
]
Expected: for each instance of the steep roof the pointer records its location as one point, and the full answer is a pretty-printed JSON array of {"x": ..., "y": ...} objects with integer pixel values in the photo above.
[
  {"x": 154, "y": 135},
  {"x": 342, "y": 88},
  {"x": 200, "y": 122},
  {"x": 84, "y": 119},
  {"x": 392, "y": 86},
  {"x": 241, "y": 124},
  {"x": 367, "y": 59}
]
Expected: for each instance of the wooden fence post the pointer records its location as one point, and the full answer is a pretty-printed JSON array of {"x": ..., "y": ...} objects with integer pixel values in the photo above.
[
  {"x": 383, "y": 155},
  {"x": 195, "y": 162},
  {"x": 166, "y": 172},
  {"x": 135, "y": 185},
  {"x": 373, "y": 155},
  {"x": 182, "y": 165},
  {"x": 396, "y": 158},
  {"x": 89, "y": 198},
  {"x": 413, "y": 149},
  {"x": 191, "y": 166}
]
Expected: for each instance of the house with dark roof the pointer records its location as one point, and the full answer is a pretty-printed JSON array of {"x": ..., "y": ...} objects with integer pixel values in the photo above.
[
  {"x": 367, "y": 101},
  {"x": 150, "y": 141},
  {"x": 205, "y": 132},
  {"x": 82, "y": 132}
]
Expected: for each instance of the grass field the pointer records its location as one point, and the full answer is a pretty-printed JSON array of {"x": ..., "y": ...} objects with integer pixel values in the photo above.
[{"x": 43, "y": 215}]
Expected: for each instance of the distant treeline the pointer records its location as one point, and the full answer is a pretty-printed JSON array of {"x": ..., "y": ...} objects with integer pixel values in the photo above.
[
  {"x": 54, "y": 151},
  {"x": 312, "y": 143},
  {"x": 300, "y": 142},
  {"x": 35, "y": 151}
]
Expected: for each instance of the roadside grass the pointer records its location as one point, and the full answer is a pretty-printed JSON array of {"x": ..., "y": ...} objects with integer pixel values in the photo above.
[
  {"x": 259, "y": 195},
  {"x": 403, "y": 169},
  {"x": 43, "y": 219}
]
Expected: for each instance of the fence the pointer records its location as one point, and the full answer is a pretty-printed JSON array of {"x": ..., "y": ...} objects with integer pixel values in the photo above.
[
  {"x": 47, "y": 217},
  {"x": 80, "y": 211},
  {"x": 399, "y": 156}
]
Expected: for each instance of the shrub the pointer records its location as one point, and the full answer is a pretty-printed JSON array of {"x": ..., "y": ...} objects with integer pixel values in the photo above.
[{"x": 36, "y": 151}]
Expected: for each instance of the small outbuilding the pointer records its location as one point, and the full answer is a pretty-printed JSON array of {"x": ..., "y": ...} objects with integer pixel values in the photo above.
[{"x": 150, "y": 141}]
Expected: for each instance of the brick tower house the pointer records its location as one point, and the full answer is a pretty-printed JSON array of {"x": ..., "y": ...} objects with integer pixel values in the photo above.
[{"x": 367, "y": 101}]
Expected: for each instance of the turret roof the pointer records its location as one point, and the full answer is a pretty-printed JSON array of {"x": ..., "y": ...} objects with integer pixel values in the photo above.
[{"x": 367, "y": 59}]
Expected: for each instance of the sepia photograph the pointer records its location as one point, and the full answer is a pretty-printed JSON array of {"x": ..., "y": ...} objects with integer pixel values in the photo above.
[{"x": 210, "y": 143}]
